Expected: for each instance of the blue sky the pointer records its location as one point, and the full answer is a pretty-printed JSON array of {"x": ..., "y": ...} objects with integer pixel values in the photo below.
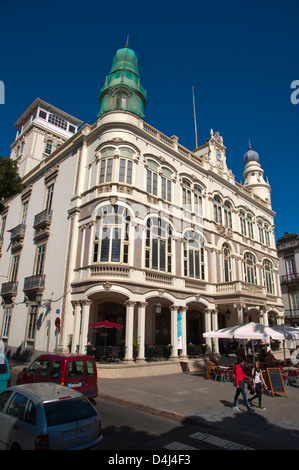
[{"x": 241, "y": 57}]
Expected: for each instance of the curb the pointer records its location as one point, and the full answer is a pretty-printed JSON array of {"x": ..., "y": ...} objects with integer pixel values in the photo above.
[{"x": 145, "y": 408}]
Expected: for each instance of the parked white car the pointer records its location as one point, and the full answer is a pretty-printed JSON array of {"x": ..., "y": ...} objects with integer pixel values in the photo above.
[{"x": 47, "y": 416}]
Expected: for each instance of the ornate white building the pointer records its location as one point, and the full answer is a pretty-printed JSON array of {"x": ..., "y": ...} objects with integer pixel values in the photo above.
[{"x": 120, "y": 222}]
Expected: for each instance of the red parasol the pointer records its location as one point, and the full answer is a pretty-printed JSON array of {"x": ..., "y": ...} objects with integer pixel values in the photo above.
[{"x": 106, "y": 324}]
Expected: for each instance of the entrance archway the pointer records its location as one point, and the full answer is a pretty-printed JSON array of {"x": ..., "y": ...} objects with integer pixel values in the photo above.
[
  {"x": 194, "y": 327},
  {"x": 115, "y": 313},
  {"x": 163, "y": 327}
]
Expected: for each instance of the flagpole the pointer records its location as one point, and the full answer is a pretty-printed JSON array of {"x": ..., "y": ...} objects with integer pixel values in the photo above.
[{"x": 195, "y": 125}]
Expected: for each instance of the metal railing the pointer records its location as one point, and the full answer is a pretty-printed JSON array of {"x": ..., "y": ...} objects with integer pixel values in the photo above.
[
  {"x": 34, "y": 282},
  {"x": 293, "y": 313},
  {"x": 43, "y": 217},
  {"x": 10, "y": 287},
  {"x": 289, "y": 278}
]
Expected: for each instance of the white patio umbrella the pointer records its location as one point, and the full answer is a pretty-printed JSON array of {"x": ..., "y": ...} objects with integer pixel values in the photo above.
[
  {"x": 247, "y": 331},
  {"x": 290, "y": 332}
]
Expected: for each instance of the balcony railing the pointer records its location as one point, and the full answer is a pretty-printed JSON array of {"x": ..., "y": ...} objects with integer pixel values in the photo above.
[
  {"x": 238, "y": 286},
  {"x": 17, "y": 232},
  {"x": 294, "y": 313},
  {"x": 32, "y": 283},
  {"x": 9, "y": 288},
  {"x": 44, "y": 218},
  {"x": 293, "y": 277}
]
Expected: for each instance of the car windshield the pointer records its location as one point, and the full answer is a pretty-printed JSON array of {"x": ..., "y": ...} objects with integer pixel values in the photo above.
[{"x": 65, "y": 411}]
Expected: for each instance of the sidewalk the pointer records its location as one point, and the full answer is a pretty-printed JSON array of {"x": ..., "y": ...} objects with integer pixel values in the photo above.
[{"x": 182, "y": 396}]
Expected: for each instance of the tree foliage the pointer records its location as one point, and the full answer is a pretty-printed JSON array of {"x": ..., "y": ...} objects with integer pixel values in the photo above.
[{"x": 10, "y": 181}]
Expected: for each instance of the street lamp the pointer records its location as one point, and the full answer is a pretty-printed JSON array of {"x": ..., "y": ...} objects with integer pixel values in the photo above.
[{"x": 158, "y": 308}]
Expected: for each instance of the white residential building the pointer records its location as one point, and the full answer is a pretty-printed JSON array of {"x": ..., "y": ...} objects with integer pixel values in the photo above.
[{"x": 288, "y": 255}]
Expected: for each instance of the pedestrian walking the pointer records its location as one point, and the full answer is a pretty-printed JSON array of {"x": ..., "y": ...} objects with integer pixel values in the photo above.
[
  {"x": 258, "y": 382},
  {"x": 240, "y": 352},
  {"x": 239, "y": 383}
]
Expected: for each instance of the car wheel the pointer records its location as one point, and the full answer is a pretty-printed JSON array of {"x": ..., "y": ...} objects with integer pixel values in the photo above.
[{"x": 15, "y": 446}]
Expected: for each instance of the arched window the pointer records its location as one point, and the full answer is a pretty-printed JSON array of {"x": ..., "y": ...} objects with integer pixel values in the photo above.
[
  {"x": 125, "y": 166},
  {"x": 264, "y": 233},
  {"x": 121, "y": 100},
  {"x": 158, "y": 245},
  {"x": 166, "y": 184},
  {"x": 268, "y": 276},
  {"x": 217, "y": 210},
  {"x": 250, "y": 268},
  {"x": 111, "y": 238},
  {"x": 243, "y": 223},
  {"x": 227, "y": 263},
  {"x": 194, "y": 265},
  {"x": 186, "y": 191},
  {"x": 267, "y": 234},
  {"x": 228, "y": 215},
  {"x": 106, "y": 169},
  {"x": 159, "y": 180},
  {"x": 197, "y": 200},
  {"x": 152, "y": 178},
  {"x": 250, "y": 226},
  {"x": 246, "y": 223}
]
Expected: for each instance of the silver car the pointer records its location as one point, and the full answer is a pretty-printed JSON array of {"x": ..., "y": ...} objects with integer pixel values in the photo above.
[{"x": 47, "y": 416}]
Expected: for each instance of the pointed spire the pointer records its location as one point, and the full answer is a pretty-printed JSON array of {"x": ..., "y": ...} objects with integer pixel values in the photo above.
[
  {"x": 249, "y": 145},
  {"x": 127, "y": 43}
]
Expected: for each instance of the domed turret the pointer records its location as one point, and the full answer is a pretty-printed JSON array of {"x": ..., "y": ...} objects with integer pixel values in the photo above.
[
  {"x": 125, "y": 59},
  {"x": 254, "y": 176},
  {"x": 251, "y": 156},
  {"x": 122, "y": 89}
]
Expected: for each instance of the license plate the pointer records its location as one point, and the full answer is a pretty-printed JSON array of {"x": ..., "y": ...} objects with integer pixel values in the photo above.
[
  {"x": 74, "y": 384},
  {"x": 75, "y": 433}
]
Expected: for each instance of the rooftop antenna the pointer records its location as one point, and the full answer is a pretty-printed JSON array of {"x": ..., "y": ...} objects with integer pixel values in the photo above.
[
  {"x": 127, "y": 43},
  {"x": 196, "y": 144}
]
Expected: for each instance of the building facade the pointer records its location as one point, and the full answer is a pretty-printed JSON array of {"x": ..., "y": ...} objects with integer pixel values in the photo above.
[
  {"x": 120, "y": 222},
  {"x": 288, "y": 255}
]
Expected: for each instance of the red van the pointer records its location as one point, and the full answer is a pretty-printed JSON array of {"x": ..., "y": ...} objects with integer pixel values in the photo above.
[{"x": 72, "y": 370}]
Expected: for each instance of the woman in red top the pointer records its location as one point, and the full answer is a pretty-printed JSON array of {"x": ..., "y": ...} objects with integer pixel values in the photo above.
[{"x": 239, "y": 379}]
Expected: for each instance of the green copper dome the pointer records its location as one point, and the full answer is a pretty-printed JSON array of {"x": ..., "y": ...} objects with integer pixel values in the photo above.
[{"x": 122, "y": 89}]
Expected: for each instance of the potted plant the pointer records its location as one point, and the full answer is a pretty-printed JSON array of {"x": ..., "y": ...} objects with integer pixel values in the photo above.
[
  {"x": 135, "y": 348},
  {"x": 69, "y": 344},
  {"x": 167, "y": 351}
]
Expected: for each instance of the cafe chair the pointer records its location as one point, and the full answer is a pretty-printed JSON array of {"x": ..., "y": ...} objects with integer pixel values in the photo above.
[
  {"x": 285, "y": 378},
  {"x": 221, "y": 374},
  {"x": 230, "y": 375}
]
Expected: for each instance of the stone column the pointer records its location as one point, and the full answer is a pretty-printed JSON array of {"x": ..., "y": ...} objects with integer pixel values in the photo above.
[
  {"x": 280, "y": 318},
  {"x": 129, "y": 330},
  {"x": 239, "y": 308},
  {"x": 214, "y": 326},
  {"x": 174, "y": 331},
  {"x": 264, "y": 315},
  {"x": 141, "y": 330},
  {"x": 84, "y": 325},
  {"x": 207, "y": 313},
  {"x": 76, "y": 326},
  {"x": 183, "y": 311}
]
